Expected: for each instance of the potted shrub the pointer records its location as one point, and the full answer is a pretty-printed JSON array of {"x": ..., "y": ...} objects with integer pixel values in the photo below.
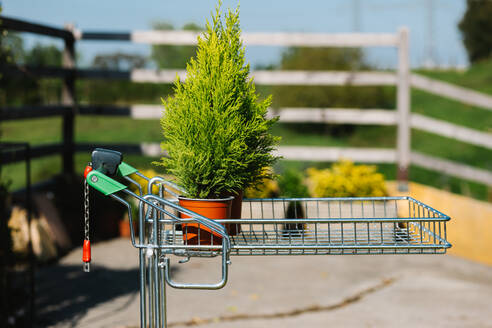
[{"x": 216, "y": 132}]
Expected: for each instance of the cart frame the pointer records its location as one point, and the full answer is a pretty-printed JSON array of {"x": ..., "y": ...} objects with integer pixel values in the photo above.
[{"x": 319, "y": 226}]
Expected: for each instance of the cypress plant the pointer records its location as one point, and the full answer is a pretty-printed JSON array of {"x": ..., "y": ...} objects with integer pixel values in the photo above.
[{"x": 216, "y": 131}]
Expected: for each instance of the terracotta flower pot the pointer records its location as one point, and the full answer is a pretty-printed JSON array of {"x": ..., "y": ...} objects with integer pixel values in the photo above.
[
  {"x": 215, "y": 209},
  {"x": 124, "y": 228}
]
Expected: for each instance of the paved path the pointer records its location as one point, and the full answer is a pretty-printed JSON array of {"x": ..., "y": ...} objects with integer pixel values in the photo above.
[{"x": 309, "y": 291}]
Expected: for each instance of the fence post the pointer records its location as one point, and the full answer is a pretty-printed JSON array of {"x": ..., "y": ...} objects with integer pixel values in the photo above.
[
  {"x": 68, "y": 99},
  {"x": 403, "y": 110}
]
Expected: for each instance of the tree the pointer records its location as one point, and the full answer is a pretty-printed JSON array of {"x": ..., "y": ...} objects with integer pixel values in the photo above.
[
  {"x": 104, "y": 92},
  {"x": 476, "y": 28},
  {"x": 167, "y": 56},
  {"x": 328, "y": 59},
  {"x": 43, "y": 55},
  {"x": 15, "y": 90},
  {"x": 119, "y": 61}
]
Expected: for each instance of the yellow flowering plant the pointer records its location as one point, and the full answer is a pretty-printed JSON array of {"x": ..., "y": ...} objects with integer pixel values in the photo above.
[
  {"x": 143, "y": 183},
  {"x": 345, "y": 179},
  {"x": 266, "y": 188}
]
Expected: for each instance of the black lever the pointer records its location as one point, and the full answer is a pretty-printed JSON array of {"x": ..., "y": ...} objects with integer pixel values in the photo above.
[{"x": 106, "y": 161}]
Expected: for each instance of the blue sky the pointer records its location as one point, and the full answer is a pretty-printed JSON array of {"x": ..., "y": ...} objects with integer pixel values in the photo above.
[{"x": 325, "y": 16}]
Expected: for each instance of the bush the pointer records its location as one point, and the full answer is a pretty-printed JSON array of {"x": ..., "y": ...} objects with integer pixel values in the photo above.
[
  {"x": 347, "y": 96},
  {"x": 344, "y": 179},
  {"x": 291, "y": 184},
  {"x": 266, "y": 188}
]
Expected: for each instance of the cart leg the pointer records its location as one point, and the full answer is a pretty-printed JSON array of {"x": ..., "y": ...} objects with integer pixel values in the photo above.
[
  {"x": 141, "y": 239},
  {"x": 156, "y": 297},
  {"x": 143, "y": 323},
  {"x": 162, "y": 295}
]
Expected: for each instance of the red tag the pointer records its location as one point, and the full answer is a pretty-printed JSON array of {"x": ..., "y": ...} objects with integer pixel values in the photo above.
[
  {"x": 86, "y": 251},
  {"x": 87, "y": 170}
]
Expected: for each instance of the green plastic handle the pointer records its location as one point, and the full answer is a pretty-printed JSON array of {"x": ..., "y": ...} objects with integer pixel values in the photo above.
[
  {"x": 126, "y": 169},
  {"x": 103, "y": 183}
]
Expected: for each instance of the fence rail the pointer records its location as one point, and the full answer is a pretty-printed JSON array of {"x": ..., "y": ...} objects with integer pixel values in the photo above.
[
  {"x": 454, "y": 92},
  {"x": 42, "y": 29},
  {"x": 258, "y": 39},
  {"x": 442, "y": 128},
  {"x": 286, "y": 115},
  {"x": 10, "y": 156},
  {"x": 400, "y": 117}
]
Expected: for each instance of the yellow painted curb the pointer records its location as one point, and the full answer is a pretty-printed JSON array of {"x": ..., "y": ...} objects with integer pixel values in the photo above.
[{"x": 470, "y": 228}]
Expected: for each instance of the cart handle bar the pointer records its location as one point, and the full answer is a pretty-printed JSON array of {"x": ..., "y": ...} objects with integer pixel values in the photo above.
[{"x": 164, "y": 265}]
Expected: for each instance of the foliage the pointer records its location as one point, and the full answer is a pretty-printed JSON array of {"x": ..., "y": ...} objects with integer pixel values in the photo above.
[
  {"x": 477, "y": 77},
  {"x": 291, "y": 184},
  {"x": 120, "y": 92},
  {"x": 476, "y": 28},
  {"x": 166, "y": 56},
  {"x": 266, "y": 188},
  {"x": 155, "y": 188},
  {"x": 119, "y": 61},
  {"x": 344, "y": 179},
  {"x": 27, "y": 90},
  {"x": 215, "y": 129},
  {"x": 43, "y": 55},
  {"x": 12, "y": 50},
  {"x": 14, "y": 90},
  {"x": 322, "y": 96}
]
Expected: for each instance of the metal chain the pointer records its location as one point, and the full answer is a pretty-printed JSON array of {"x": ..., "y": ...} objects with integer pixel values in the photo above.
[{"x": 86, "y": 209}]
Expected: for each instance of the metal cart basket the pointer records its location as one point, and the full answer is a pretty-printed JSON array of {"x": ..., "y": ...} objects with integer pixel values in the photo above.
[{"x": 284, "y": 226}]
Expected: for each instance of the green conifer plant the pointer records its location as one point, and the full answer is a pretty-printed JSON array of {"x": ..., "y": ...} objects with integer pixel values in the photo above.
[{"x": 216, "y": 131}]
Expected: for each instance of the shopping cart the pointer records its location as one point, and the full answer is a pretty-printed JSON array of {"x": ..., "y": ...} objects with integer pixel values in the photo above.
[{"x": 283, "y": 226}]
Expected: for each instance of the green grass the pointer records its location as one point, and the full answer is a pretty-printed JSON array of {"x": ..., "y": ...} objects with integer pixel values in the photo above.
[
  {"x": 478, "y": 77},
  {"x": 451, "y": 111},
  {"x": 114, "y": 130},
  {"x": 111, "y": 129},
  {"x": 46, "y": 167},
  {"x": 41, "y": 169},
  {"x": 36, "y": 131}
]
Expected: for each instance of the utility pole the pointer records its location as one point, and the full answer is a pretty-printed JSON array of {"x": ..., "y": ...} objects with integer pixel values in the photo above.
[
  {"x": 355, "y": 15},
  {"x": 430, "y": 56}
]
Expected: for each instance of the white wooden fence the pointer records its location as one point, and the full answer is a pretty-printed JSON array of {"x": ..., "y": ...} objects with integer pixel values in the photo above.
[
  {"x": 401, "y": 79},
  {"x": 401, "y": 117}
]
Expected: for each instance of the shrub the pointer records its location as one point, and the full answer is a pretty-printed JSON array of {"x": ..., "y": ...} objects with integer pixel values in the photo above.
[
  {"x": 266, "y": 188},
  {"x": 344, "y": 179},
  {"x": 291, "y": 184},
  {"x": 215, "y": 129}
]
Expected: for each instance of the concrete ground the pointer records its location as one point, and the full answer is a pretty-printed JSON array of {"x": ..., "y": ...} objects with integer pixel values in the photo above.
[{"x": 300, "y": 291}]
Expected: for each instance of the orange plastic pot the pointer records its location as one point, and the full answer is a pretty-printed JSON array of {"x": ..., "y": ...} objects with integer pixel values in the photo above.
[{"x": 214, "y": 209}]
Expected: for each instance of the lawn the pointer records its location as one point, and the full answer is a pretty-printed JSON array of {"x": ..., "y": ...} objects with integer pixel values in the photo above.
[{"x": 477, "y": 77}]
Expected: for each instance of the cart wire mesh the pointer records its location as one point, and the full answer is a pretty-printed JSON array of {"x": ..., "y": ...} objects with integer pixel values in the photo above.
[{"x": 312, "y": 226}]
